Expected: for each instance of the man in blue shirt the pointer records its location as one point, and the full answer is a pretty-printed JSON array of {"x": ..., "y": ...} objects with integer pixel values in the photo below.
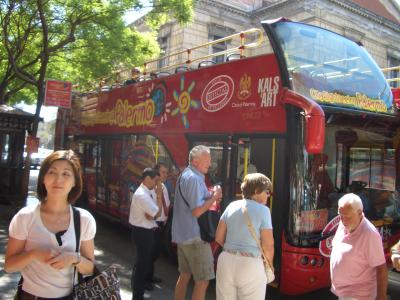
[{"x": 194, "y": 255}]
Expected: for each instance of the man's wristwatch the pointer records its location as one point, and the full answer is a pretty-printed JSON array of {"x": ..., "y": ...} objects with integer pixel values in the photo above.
[
  {"x": 394, "y": 251},
  {"x": 78, "y": 259}
]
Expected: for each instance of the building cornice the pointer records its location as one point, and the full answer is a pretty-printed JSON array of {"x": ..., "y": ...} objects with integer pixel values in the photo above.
[
  {"x": 224, "y": 7},
  {"x": 348, "y": 5},
  {"x": 356, "y": 9},
  {"x": 267, "y": 8}
]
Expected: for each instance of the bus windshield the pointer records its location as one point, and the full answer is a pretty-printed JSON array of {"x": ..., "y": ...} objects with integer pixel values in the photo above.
[
  {"x": 355, "y": 160},
  {"x": 332, "y": 69}
]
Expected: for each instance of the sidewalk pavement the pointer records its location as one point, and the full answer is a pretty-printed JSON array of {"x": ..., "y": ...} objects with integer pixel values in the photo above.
[{"x": 8, "y": 282}]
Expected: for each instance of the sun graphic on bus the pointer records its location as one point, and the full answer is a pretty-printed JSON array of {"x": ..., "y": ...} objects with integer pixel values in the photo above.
[{"x": 184, "y": 101}]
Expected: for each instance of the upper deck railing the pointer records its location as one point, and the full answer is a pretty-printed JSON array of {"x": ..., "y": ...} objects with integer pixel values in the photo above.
[
  {"x": 190, "y": 53},
  {"x": 394, "y": 79},
  {"x": 184, "y": 60}
]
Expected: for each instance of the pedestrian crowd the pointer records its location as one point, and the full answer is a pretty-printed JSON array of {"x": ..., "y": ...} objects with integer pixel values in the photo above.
[{"x": 42, "y": 245}]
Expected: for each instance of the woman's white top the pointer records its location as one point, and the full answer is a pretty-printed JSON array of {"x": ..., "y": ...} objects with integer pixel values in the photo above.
[{"x": 41, "y": 279}]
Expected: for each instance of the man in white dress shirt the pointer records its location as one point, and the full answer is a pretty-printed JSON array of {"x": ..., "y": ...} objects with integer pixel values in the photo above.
[
  {"x": 146, "y": 207},
  {"x": 162, "y": 170}
]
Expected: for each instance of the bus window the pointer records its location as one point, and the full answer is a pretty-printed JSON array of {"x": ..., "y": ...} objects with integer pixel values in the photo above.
[
  {"x": 215, "y": 172},
  {"x": 244, "y": 163},
  {"x": 88, "y": 151},
  {"x": 372, "y": 176},
  {"x": 102, "y": 170},
  {"x": 139, "y": 152},
  {"x": 253, "y": 155},
  {"x": 90, "y": 154},
  {"x": 355, "y": 160}
]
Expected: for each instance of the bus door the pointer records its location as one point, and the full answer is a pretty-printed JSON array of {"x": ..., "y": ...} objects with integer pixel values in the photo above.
[
  {"x": 108, "y": 176},
  {"x": 266, "y": 155}
]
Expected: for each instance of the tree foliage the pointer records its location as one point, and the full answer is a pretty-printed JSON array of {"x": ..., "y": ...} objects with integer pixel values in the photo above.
[{"x": 73, "y": 40}]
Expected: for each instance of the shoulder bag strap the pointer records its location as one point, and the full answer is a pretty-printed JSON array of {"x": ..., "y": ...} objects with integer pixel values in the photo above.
[
  {"x": 77, "y": 227},
  {"x": 180, "y": 191},
  {"x": 254, "y": 235}
]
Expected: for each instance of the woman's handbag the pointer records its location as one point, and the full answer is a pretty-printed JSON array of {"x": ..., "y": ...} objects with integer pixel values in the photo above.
[
  {"x": 269, "y": 269},
  {"x": 101, "y": 285}
]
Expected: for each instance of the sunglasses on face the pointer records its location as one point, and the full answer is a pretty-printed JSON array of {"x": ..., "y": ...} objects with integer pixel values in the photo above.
[{"x": 268, "y": 192}]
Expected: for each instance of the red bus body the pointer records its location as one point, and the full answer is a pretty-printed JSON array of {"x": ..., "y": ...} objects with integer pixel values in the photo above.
[{"x": 250, "y": 101}]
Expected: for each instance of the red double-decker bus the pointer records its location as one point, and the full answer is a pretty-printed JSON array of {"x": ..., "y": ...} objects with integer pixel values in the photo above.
[{"x": 315, "y": 114}]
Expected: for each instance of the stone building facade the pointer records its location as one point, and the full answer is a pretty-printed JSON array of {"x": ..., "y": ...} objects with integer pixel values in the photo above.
[{"x": 374, "y": 23}]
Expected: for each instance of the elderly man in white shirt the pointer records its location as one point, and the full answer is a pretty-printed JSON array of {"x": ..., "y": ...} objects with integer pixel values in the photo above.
[{"x": 146, "y": 207}]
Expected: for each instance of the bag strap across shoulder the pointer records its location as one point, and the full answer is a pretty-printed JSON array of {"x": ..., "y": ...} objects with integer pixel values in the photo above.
[
  {"x": 77, "y": 226},
  {"x": 254, "y": 235},
  {"x": 180, "y": 191}
]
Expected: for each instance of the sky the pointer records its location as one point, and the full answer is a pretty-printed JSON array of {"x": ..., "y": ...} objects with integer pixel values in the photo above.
[
  {"x": 48, "y": 113},
  {"x": 133, "y": 15}
]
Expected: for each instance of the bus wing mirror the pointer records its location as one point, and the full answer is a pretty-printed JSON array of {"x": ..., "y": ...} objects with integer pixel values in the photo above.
[{"x": 315, "y": 120}]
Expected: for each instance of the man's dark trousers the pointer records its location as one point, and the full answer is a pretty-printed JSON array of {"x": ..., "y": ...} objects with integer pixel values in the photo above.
[
  {"x": 144, "y": 242},
  {"x": 157, "y": 247}
]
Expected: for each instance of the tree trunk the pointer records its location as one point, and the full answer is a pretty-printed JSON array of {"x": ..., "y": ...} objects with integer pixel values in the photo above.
[{"x": 27, "y": 163}]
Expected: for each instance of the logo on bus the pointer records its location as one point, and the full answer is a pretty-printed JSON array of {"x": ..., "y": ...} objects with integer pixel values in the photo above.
[
  {"x": 217, "y": 93},
  {"x": 359, "y": 100},
  {"x": 325, "y": 246},
  {"x": 268, "y": 88},
  {"x": 244, "y": 87}
]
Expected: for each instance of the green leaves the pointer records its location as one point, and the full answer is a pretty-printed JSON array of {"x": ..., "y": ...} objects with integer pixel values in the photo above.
[
  {"x": 163, "y": 10},
  {"x": 74, "y": 40}
]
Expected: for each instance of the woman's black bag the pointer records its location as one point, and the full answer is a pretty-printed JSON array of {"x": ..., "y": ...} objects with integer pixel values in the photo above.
[{"x": 101, "y": 285}]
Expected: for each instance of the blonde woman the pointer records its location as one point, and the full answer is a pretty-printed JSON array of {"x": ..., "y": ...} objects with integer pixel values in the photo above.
[
  {"x": 240, "y": 269},
  {"x": 42, "y": 241}
]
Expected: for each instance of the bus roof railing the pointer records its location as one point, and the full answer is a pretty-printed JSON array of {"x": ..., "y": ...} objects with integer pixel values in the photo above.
[
  {"x": 394, "y": 79},
  {"x": 190, "y": 52},
  {"x": 395, "y": 87},
  {"x": 248, "y": 39}
]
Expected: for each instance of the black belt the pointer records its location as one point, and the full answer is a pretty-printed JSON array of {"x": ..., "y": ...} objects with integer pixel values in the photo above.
[
  {"x": 26, "y": 296},
  {"x": 142, "y": 228}
]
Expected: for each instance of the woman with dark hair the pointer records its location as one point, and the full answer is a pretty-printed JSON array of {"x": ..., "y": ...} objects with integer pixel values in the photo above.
[
  {"x": 240, "y": 269},
  {"x": 42, "y": 239}
]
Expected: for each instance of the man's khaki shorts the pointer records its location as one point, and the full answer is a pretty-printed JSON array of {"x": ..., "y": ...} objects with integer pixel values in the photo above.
[{"x": 197, "y": 259}]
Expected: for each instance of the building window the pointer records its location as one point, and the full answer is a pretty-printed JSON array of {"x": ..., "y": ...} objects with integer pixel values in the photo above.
[
  {"x": 218, "y": 48},
  {"x": 163, "y": 42},
  {"x": 216, "y": 32},
  {"x": 394, "y": 62}
]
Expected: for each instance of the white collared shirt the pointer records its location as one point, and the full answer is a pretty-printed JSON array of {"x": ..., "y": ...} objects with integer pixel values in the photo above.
[{"x": 143, "y": 201}]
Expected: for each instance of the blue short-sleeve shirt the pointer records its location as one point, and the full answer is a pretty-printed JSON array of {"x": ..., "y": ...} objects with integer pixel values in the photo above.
[
  {"x": 238, "y": 236},
  {"x": 192, "y": 185}
]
